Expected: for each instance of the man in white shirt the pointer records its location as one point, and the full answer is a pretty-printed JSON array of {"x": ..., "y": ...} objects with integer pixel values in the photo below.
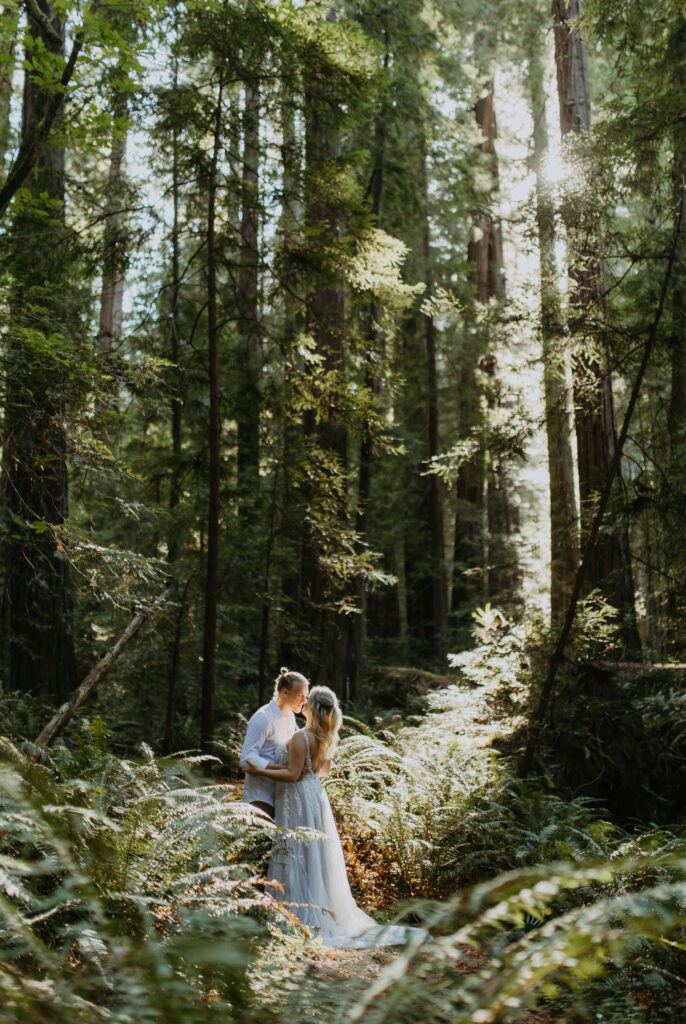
[{"x": 271, "y": 726}]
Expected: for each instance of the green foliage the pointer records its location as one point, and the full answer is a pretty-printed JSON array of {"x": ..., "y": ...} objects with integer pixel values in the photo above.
[
  {"x": 126, "y": 891},
  {"x": 620, "y": 920}
]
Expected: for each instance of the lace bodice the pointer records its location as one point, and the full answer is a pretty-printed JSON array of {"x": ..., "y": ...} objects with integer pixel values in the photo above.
[{"x": 281, "y": 757}]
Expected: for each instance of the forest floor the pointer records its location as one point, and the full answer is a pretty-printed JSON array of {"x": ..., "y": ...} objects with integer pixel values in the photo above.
[
  {"x": 296, "y": 983},
  {"x": 300, "y": 987}
]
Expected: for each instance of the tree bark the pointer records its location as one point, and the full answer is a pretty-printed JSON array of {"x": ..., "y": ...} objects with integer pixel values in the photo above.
[
  {"x": 676, "y": 419},
  {"x": 325, "y": 318},
  {"x": 174, "y": 661},
  {"x": 292, "y": 495},
  {"x": 564, "y": 546},
  {"x": 486, "y": 481},
  {"x": 609, "y": 567},
  {"x": 486, "y": 252},
  {"x": 424, "y": 552},
  {"x": 209, "y": 663},
  {"x": 439, "y": 582},
  {"x": 247, "y": 362},
  {"x": 9, "y": 17},
  {"x": 47, "y": 107},
  {"x": 174, "y": 531},
  {"x": 173, "y": 541},
  {"x": 63, "y": 714},
  {"x": 572, "y": 71},
  {"x": 359, "y": 623},
  {"x": 38, "y": 590},
  {"x": 112, "y": 294}
]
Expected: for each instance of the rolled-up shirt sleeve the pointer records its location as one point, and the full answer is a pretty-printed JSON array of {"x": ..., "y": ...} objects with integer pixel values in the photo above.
[{"x": 256, "y": 734}]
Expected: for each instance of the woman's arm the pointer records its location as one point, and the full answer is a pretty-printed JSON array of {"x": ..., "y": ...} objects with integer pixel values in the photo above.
[
  {"x": 290, "y": 772},
  {"x": 323, "y": 770}
]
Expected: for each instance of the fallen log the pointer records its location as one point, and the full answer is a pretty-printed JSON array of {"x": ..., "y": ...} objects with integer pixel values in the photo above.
[
  {"x": 97, "y": 673},
  {"x": 638, "y": 666},
  {"x": 416, "y": 679}
]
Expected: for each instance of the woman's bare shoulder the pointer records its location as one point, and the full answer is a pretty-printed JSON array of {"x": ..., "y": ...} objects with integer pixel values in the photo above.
[{"x": 297, "y": 740}]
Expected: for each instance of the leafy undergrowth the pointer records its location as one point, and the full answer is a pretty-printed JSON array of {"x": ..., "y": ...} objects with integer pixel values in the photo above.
[{"x": 129, "y": 888}]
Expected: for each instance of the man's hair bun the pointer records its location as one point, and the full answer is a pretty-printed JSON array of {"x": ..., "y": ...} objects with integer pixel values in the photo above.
[{"x": 286, "y": 680}]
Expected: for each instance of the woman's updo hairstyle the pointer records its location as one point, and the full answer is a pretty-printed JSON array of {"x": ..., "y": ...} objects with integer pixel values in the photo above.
[
  {"x": 325, "y": 719},
  {"x": 285, "y": 681}
]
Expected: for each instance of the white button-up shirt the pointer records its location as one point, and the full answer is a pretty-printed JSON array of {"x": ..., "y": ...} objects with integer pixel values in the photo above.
[{"x": 268, "y": 729}]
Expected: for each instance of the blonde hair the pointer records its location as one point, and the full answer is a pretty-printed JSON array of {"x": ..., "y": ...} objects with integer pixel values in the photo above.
[
  {"x": 286, "y": 680},
  {"x": 325, "y": 719}
]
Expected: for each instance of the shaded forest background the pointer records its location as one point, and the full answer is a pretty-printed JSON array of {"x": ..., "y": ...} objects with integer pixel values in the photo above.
[
  {"x": 348, "y": 337},
  {"x": 261, "y": 340}
]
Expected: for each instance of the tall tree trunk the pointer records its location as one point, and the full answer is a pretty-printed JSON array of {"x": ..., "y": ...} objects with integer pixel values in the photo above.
[
  {"x": 290, "y": 225},
  {"x": 9, "y": 18},
  {"x": 47, "y": 107},
  {"x": 38, "y": 593},
  {"x": 173, "y": 541},
  {"x": 424, "y": 554},
  {"x": 112, "y": 294},
  {"x": 435, "y": 498},
  {"x": 609, "y": 565},
  {"x": 174, "y": 533},
  {"x": 247, "y": 399},
  {"x": 469, "y": 551},
  {"x": 486, "y": 251},
  {"x": 492, "y": 485},
  {"x": 359, "y": 623},
  {"x": 325, "y": 323},
  {"x": 564, "y": 545},
  {"x": 676, "y": 420},
  {"x": 209, "y": 664}
]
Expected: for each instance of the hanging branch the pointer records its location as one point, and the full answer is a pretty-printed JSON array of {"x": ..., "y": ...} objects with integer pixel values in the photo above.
[
  {"x": 97, "y": 673},
  {"x": 34, "y": 141},
  {"x": 556, "y": 657}
]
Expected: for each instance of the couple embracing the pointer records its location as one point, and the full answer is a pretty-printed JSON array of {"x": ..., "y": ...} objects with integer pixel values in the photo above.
[{"x": 284, "y": 768}]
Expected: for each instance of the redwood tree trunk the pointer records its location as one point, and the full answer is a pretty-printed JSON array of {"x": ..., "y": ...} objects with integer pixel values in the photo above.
[
  {"x": 609, "y": 566},
  {"x": 424, "y": 554},
  {"x": 112, "y": 294},
  {"x": 564, "y": 544},
  {"x": 38, "y": 593},
  {"x": 439, "y": 583},
  {"x": 486, "y": 252},
  {"x": 174, "y": 533},
  {"x": 10, "y": 24},
  {"x": 677, "y": 399},
  {"x": 486, "y": 479},
  {"x": 214, "y": 438},
  {"x": 325, "y": 322},
  {"x": 247, "y": 401},
  {"x": 359, "y": 623}
]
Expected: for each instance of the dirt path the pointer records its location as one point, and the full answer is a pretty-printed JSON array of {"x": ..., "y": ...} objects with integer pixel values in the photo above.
[{"x": 303, "y": 985}]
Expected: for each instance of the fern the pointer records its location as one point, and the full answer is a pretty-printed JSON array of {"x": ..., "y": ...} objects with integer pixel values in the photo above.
[{"x": 126, "y": 894}]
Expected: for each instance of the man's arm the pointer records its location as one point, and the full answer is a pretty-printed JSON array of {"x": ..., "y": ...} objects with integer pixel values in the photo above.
[
  {"x": 284, "y": 773},
  {"x": 256, "y": 735}
]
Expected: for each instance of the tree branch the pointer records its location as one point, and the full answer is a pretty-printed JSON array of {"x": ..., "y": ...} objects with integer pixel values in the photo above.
[
  {"x": 97, "y": 673},
  {"x": 36, "y": 137},
  {"x": 52, "y": 38}
]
